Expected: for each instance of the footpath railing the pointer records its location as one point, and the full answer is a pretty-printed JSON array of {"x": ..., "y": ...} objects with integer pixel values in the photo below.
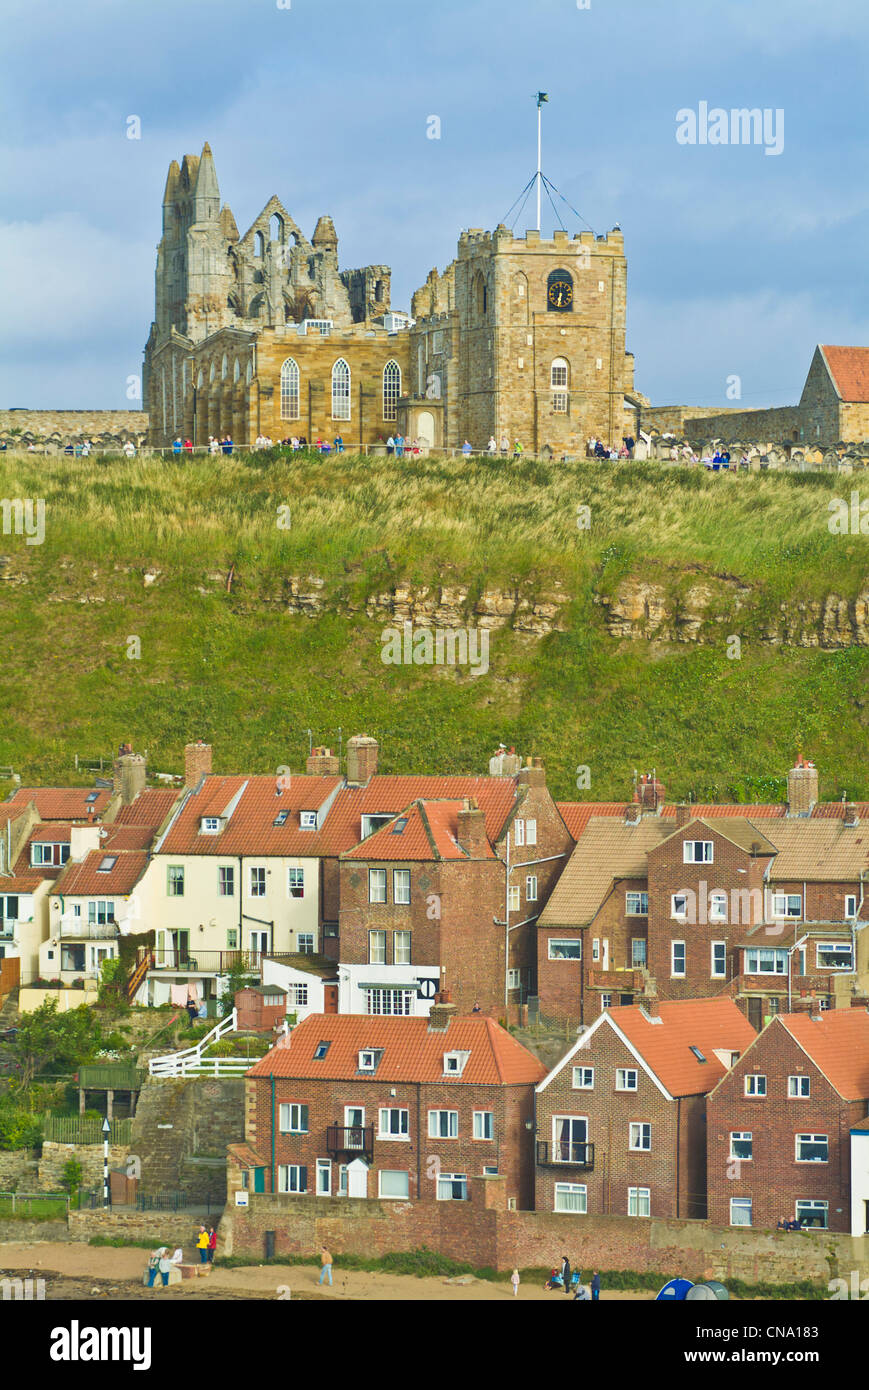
[
  {"x": 190, "y": 1062},
  {"x": 93, "y": 1200},
  {"x": 78, "y": 1129},
  {"x": 24, "y": 1204}
]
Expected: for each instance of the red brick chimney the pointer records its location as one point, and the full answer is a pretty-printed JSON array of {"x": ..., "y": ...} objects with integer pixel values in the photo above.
[
  {"x": 533, "y": 774},
  {"x": 851, "y": 817},
  {"x": 683, "y": 815},
  {"x": 802, "y": 788},
  {"x": 362, "y": 754},
  {"x": 322, "y": 762},
  {"x": 197, "y": 763},
  {"x": 471, "y": 833},
  {"x": 440, "y": 1013}
]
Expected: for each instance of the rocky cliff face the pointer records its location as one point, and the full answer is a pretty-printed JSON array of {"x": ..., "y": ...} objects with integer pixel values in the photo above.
[{"x": 715, "y": 606}]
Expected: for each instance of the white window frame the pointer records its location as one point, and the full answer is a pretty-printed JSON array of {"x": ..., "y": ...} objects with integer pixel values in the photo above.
[
  {"x": 715, "y": 973},
  {"x": 210, "y": 825},
  {"x": 483, "y": 1119},
  {"x": 638, "y": 1132},
  {"x": 324, "y": 1167},
  {"x": 342, "y": 389},
  {"x": 811, "y": 1139},
  {"x": 295, "y": 871},
  {"x": 782, "y": 903},
  {"x": 754, "y": 955},
  {"x": 402, "y": 946},
  {"x": 393, "y": 1196},
  {"x": 377, "y": 996},
  {"x": 307, "y": 820},
  {"x": 639, "y": 958},
  {"x": 292, "y": 1112},
  {"x": 680, "y": 913},
  {"x": 674, "y": 973},
  {"x": 377, "y": 947},
  {"x": 815, "y": 1205},
  {"x": 586, "y": 1079},
  {"x": 290, "y": 379},
  {"x": 562, "y": 941},
  {"x": 717, "y": 907},
  {"x": 622, "y": 1075},
  {"x": 638, "y": 1197},
  {"x": 837, "y": 946},
  {"x": 226, "y": 880},
  {"x": 752, "y": 1085},
  {"x": 374, "y": 878},
  {"x": 635, "y": 895},
  {"x": 305, "y": 942},
  {"x": 530, "y": 888},
  {"x": 850, "y": 904},
  {"x": 257, "y": 881},
  {"x": 513, "y": 898},
  {"x": 451, "y": 1178},
  {"x": 452, "y": 1124},
  {"x": 570, "y": 1189},
  {"x": 518, "y": 832},
  {"x": 401, "y": 879},
  {"x": 530, "y": 831},
  {"x": 741, "y": 1204},
  {"x": 391, "y": 389},
  {"x": 795, "y": 1087},
  {"x": 689, "y": 855},
  {"x": 514, "y": 978},
  {"x": 367, "y": 1059},
  {"x": 742, "y": 1136},
  {"x": 385, "y": 1131},
  {"x": 285, "y": 1172}
]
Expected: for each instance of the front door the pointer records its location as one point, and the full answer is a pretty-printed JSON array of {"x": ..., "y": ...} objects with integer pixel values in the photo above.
[
  {"x": 330, "y": 999},
  {"x": 180, "y": 947},
  {"x": 605, "y": 954},
  {"x": 354, "y": 1125},
  {"x": 259, "y": 1179},
  {"x": 259, "y": 941},
  {"x": 755, "y": 1013}
]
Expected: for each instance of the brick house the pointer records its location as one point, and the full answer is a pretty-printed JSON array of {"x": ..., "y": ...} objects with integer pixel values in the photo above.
[
  {"x": 620, "y": 1122},
  {"x": 404, "y": 1108},
  {"x": 779, "y": 1122}
]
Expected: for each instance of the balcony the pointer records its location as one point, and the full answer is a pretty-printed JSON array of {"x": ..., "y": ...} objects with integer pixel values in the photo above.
[
  {"x": 79, "y": 929},
  {"x": 626, "y": 981},
  {"x": 195, "y": 962},
  {"x": 350, "y": 1141},
  {"x": 563, "y": 1154}
]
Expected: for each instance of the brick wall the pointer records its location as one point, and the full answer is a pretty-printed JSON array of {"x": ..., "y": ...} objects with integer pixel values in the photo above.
[{"x": 483, "y": 1233}]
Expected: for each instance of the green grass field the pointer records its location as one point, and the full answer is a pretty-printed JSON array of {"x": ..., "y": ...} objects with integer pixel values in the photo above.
[{"x": 240, "y": 671}]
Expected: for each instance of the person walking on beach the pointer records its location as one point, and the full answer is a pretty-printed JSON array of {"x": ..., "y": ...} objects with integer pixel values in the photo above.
[
  {"x": 212, "y": 1244},
  {"x": 326, "y": 1265},
  {"x": 514, "y": 1280},
  {"x": 202, "y": 1245}
]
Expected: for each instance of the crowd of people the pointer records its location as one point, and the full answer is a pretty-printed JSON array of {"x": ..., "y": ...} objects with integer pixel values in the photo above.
[{"x": 162, "y": 1263}]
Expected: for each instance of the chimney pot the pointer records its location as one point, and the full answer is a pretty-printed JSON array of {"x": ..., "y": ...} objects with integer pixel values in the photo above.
[
  {"x": 362, "y": 757},
  {"x": 197, "y": 763},
  {"x": 322, "y": 762},
  {"x": 802, "y": 788},
  {"x": 683, "y": 815}
]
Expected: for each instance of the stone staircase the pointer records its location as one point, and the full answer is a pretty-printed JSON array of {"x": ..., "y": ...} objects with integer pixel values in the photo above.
[
  {"x": 9, "y": 1011},
  {"x": 161, "y": 1136},
  {"x": 180, "y": 1131}
]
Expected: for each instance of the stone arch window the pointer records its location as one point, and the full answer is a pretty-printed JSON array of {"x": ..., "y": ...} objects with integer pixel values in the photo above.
[
  {"x": 341, "y": 390},
  {"x": 248, "y": 373},
  {"x": 559, "y": 381},
  {"x": 290, "y": 390},
  {"x": 391, "y": 389},
  {"x": 224, "y": 367},
  {"x": 378, "y": 290},
  {"x": 276, "y": 227},
  {"x": 200, "y": 380},
  {"x": 212, "y": 371},
  {"x": 256, "y": 306},
  {"x": 258, "y": 244},
  {"x": 520, "y": 298},
  {"x": 480, "y": 296},
  {"x": 236, "y": 370}
]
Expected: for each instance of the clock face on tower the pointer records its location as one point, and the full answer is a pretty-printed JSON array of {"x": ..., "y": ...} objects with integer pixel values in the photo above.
[{"x": 559, "y": 291}]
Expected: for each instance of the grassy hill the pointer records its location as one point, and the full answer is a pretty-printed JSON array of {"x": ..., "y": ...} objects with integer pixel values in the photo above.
[{"x": 235, "y": 667}]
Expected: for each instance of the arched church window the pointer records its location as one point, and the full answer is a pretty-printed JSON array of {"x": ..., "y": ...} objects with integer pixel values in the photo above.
[
  {"x": 391, "y": 389},
  {"x": 212, "y": 371},
  {"x": 258, "y": 244},
  {"x": 559, "y": 379},
  {"x": 224, "y": 366},
  {"x": 341, "y": 390},
  {"x": 290, "y": 390},
  {"x": 276, "y": 228},
  {"x": 236, "y": 370}
]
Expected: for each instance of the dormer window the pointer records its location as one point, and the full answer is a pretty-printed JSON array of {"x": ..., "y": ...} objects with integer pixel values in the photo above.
[
  {"x": 308, "y": 820},
  {"x": 43, "y": 852},
  {"x": 209, "y": 825},
  {"x": 454, "y": 1063},
  {"x": 369, "y": 1058}
]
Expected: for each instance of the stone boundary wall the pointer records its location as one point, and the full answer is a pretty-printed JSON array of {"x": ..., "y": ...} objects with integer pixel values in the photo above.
[
  {"x": 90, "y": 1156},
  {"x": 19, "y": 1170},
  {"x": 31, "y": 1232},
  {"x": 163, "y": 1227},
  {"x": 73, "y": 424},
  {"x": 750, "y": 425},
  {"x": 483, "y": 1233}
]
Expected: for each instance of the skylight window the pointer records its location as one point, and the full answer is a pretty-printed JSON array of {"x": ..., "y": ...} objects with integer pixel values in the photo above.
[
  {"x": 107, "y": 863},
  {"x": 322, "y": 1048},
  {"x": 280, "y": 818},
  {"x": 91, "y": 796},
  {"x": 698, "y": 1054},
  {"x": 399, "y": 825}
]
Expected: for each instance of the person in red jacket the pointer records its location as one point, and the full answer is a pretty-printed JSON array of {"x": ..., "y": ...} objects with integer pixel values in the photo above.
[{"x": 212, "y": 1244}]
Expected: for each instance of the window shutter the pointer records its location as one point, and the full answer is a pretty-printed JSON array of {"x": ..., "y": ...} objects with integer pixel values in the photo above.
[{"x": 303, "y": 1176}]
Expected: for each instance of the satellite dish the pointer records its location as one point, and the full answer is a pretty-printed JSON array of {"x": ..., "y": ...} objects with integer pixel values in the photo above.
[{"x": 674, "y": 1292}]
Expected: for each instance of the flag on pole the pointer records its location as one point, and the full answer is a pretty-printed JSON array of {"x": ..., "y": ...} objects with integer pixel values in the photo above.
[{"x": 541, "y": 97}]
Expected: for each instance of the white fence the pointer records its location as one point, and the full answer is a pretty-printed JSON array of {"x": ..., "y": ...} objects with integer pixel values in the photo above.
[{"x": 191, "y": 1062}]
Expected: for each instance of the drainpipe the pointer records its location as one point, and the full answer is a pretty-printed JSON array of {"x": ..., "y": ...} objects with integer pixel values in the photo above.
[
  {"x": 273, "y": 1187},
  {"x": 418, "y": 1140},
  {"x": 678, "y": 1133}
]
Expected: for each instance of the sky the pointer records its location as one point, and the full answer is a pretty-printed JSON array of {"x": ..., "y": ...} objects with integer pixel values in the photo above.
[{"x": 739, "y": 261}]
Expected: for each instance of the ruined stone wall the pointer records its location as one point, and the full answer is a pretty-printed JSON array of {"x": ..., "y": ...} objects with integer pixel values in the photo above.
[{"x": 69, "y": 425}]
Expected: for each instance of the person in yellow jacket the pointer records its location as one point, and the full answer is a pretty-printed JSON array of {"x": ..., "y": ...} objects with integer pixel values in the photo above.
[{"x": 202, "y": 1245}]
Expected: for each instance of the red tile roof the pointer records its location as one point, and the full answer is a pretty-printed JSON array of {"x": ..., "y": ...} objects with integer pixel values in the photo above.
[
  {"x": 85, "y": 877},
  {"x": 151, "y": 807},
  {"x": 666, "y": 1047},
  {"x": 251, "y": 828},
  {"x": 128, "y": 836},
  {"x": 837, "y": 1041},
  {"x": 849, "y": 370},
  {"x": 410, "y": 1051},
  {"x": 63, "y": 803},
  {"x": 495, "y": 796},
  {"x": 430, "y": 832}
]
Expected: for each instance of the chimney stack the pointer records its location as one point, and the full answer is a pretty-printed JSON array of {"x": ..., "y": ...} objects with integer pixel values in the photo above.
[
  {"x": 802, "y": 788},
  {"x": 471, "y": 833},
  {"x": 440, "y": 1013},
  {"x": 362, "y": 753},
  {"x": 633, "y": 814},
  {"x": 533, "y": 774},
  {"x": 683, "y": 815},
  {"x": 197, "y": 763},
  {"x": 650, "y": 793},
  {"x": 504, "y": 763},
  {"x": 129, "y": 774},
  {"x": 652, "y": 1005},
  {"x": 851, "y": 817},
  {"x": 322, "y": 762}
]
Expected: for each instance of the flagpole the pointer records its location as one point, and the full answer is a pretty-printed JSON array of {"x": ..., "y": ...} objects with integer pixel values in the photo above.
[{"x": 539, "y": 161}]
